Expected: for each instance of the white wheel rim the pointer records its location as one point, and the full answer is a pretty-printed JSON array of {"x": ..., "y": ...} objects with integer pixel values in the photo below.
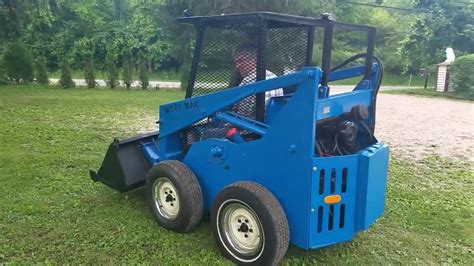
[
  {"x": 166, "y": 198},
  {"x": 242, "y": 229}
]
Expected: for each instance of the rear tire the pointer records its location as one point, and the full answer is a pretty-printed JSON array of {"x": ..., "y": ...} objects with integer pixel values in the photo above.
[
  {"x": 174, "y": 196},
  {"x": 249, "y": 225}
]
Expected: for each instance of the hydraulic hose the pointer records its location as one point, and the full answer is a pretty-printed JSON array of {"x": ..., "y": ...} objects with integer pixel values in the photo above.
[{"x": 377, "y": 86}]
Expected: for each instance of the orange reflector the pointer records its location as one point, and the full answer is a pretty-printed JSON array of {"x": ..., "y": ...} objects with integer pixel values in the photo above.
[{"x": 332, "y": 199}]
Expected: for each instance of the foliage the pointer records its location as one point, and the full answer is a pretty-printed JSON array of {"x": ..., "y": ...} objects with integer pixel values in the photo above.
[
  {"x": 89, "y": 71},
  {"x": 53, "y": 28},
  {"x": 448, "y": 24},
  {"x": 3, "y": 73},
  {"x": 65, "y": 81},
  {"x": 40, "y": 71},
  {"x": 18, "y": 63},
  {"x": 462, "y": 72},
  {"x": 111, "y": 72},
  {"x": 12, "y": 18},
  {"x": 143, "y": 71},
  {"x": 127, "y": 67}
]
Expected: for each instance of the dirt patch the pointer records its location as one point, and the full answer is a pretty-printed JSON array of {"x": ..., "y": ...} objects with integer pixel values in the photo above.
[{"x": 416, "y": 127}]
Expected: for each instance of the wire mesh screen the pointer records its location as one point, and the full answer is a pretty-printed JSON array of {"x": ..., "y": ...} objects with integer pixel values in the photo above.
[
  {"x": 229, "y": 59},
  {"x": 229, "y": 56},
  {"x": 216, "y": 69},
  {"x": 286, "y": 49}
]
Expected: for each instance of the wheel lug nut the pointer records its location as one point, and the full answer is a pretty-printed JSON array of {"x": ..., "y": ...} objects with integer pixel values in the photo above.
[
  {"x": 246, "y": 221},
  {"x": 246, "y": 235},
  {"x": 239, "y": 221},
  {"x": 251, "y": 230}
]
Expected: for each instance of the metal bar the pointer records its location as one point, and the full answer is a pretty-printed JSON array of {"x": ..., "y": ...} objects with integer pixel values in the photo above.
[
  {"x": 139, "y": 137},
  {"x": 309, "y": 46},
  {"x": 261, "y": 67},
  {"x": 347, "y": 73},
  {"x": 247, "y": 119},
  {"x": 292, "y": 20},
  {"x": 196, "y": 57},
  {"x": 241, "y": 124},
  {"x": 150, "y": 152},
  {"x": 178, "y": 115},
  {"x": 327, "y": 50},
  {"x": 370, "y": 54}
]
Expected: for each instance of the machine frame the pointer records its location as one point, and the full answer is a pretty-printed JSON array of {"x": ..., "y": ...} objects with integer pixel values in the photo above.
[{"x": 326, "y": 199}]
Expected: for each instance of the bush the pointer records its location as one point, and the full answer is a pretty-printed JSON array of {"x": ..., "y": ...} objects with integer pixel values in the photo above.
[
  {"x": 66, "y": 79},
  {"x": 184, "y": 75},
  {"x": 89, "y": 71},
  {"x": 143, "y": 72},
  {"x": 111, "y": 72},
  {"x": 462, "y": 74},
  {"x": 127, "y": 68},
  {"x": 18, "y": 63},
  {"x": 40, "y": 70},
  {"x": 3, "y": 73}
]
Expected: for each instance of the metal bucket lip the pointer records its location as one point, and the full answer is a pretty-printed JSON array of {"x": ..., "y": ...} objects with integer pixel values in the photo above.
[
  {"x": 118, "y": 141},
  {"x": 124, "y": 166}
]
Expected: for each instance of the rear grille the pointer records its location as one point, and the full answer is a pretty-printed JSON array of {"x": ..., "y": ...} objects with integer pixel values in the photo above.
[{"x": 332, "y": 216}]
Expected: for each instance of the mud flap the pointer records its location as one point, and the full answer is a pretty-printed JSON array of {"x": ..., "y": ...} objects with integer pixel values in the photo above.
[{"x": 125, "y": 166}]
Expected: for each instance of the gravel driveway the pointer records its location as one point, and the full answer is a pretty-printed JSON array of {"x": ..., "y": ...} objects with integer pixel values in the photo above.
[{"x": 415, "y": 127}]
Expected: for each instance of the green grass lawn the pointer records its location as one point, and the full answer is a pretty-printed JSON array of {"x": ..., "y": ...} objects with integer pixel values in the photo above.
[
  {"x": 51, "y": 212},
  {"x": 433, "y": 93}
]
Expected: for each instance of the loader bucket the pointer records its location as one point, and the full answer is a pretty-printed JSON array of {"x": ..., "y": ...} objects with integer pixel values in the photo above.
[{"x": 125, "y": 167}]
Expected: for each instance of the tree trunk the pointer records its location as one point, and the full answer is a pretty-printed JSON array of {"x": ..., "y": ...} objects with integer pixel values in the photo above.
[
  {"x": 117, "y": 9},
  {"x": 53, "y": 7}
]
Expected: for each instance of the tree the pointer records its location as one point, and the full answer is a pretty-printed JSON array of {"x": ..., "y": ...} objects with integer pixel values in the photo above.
[
  {"x": 117, "y": 9},
  {"x": 449, "y": 24},
  {"x": 127, "y": 67},
  {"x": 18, "y": 63},
  {"x": 65, "y": 80},
  {"x": 143, "y": 71},
  {"x": 89, "y": 71},
  {"x": 111, "y": 72},
  {"x": 3, "y": 74},
  {"x": 41, "y": 72},
  {"x": 12, "y": 18},
  {"x": 462, "y": 74}
]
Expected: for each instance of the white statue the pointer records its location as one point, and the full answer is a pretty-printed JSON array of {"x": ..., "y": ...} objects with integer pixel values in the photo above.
[{"x": 449, "y": 55}]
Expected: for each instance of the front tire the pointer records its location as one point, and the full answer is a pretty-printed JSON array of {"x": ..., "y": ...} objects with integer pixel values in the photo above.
[
  {"x": 174, "y": 196},
  {"x": 249, "y": 225}
]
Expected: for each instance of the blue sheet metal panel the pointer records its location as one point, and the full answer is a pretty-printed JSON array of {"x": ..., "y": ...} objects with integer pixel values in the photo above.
[
  {"x": 281, "y": 160},
  {"x": 341, "y": 103},
  {"x": 170, "y": 147},
  {"x": 177, "y": 115},
  {"x": 150, "y": 150},
  {"x": 347, "y": 73},
  {"x": 275, "y": 104},
  {"x": 373, "y": 168},
  {"x": 339, "y": 232}
]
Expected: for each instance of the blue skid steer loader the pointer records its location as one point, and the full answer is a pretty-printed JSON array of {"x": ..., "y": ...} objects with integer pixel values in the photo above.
[{"x": 302, "y": 166}]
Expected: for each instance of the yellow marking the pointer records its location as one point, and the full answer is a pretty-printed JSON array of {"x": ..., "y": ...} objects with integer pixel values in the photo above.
[{"x": 332, "y": 199}]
